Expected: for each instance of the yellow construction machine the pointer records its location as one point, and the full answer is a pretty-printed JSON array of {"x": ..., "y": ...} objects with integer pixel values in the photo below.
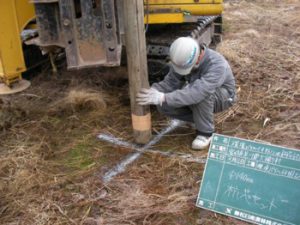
[
  {"x": 15, "y": 16},
  {"x": 91, "y": 32}
]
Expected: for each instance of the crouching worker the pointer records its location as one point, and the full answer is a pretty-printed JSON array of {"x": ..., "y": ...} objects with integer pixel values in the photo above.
[{"x": 200, "y": 83}]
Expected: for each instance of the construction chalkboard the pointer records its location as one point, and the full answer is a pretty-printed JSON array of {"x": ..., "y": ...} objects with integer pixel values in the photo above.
[{"x": 252, "y": 181}]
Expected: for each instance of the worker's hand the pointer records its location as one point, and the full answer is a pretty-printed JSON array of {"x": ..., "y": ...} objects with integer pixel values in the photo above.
[{"x": 150, "y": 97}]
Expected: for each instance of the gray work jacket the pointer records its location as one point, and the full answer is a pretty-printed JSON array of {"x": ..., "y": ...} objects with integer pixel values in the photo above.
[{"x": 213, "y": 72}]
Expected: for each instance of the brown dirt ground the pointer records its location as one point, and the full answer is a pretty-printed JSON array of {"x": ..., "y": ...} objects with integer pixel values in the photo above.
[{"x": 51, "y": 164}]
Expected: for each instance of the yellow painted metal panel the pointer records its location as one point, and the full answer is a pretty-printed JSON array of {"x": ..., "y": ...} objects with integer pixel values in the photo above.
[
  {"x": 25, "y": 12},
  {"x": 10, "y": 44},
  {"x": 14, "y": 15},
  {"x": 161, "y": 18},
  {"x": 169, "y": 2},
  {"x": 1, "y": 67},
  {"x": 195, "y": 10}
]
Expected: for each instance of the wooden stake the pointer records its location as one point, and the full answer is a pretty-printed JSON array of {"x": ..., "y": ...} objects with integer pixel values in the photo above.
[{"x": 137, "y": 67}]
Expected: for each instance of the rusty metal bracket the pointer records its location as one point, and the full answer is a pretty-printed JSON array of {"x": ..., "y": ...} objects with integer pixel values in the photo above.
[{"x": 89, "y": 30}]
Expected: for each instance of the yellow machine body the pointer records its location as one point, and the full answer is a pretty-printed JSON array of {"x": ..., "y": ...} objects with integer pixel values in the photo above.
[
  {"x": 179, "y": 11},
  {"x": 14, "y": 16}
]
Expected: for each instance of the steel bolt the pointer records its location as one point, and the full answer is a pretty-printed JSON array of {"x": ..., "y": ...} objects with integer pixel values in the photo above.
[{"x": 67, "y": 22}]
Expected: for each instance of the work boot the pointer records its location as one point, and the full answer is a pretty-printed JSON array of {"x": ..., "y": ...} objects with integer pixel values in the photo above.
[{"x": 201, "y": 142}]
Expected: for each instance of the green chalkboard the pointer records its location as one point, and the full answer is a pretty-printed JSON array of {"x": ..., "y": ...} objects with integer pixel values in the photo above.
[{"x": 255, "y": 182}]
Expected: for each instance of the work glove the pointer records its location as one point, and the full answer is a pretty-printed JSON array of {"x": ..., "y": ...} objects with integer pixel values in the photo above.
[{"x": 150, "y": 97}]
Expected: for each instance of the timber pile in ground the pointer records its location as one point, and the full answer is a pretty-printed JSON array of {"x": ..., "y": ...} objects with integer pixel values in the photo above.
[{"x": 51, "y": 163}]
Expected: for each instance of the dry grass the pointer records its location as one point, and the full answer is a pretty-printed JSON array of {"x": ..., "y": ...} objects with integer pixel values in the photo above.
[
  {"x": 51, "y": 165},
  {"x": 154, "y": 198},
  {"x": 9, "y": 114},
  {"x": 78, "y": 100},
  {"x": 262, "y": 45}
]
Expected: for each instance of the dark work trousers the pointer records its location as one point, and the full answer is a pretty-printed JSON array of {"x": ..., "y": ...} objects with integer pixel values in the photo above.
[{"x": 202, "y": 114}]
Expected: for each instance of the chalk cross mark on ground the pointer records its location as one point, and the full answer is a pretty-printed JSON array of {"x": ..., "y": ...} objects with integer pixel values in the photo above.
[{"x": 121, "y": 167}]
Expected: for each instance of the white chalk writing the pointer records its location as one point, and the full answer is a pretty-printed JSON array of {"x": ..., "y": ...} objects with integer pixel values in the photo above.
[
  {"x": 250, "y": 198},
  {"x": 275, "y": 151},
  {"x": 255, "y": 156},
  {"x": 241, "y": 176}
]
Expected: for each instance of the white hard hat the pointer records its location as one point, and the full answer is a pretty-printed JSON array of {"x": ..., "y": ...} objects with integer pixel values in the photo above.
[{"x": 184, "y": 53}]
